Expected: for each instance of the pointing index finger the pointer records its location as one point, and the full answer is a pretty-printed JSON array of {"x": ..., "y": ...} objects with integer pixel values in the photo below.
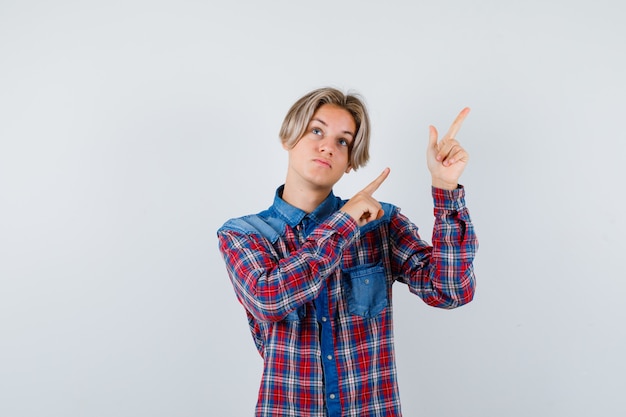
[
  {"x": 373, "y": 186},
  {"x": 456, "y": 125}
]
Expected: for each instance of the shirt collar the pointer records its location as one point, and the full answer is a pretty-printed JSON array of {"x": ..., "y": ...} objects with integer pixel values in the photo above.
[{"x": 293, "y": 215}]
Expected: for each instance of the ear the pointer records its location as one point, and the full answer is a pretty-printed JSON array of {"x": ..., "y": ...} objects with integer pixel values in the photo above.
[{"x": 348, "y": 169}]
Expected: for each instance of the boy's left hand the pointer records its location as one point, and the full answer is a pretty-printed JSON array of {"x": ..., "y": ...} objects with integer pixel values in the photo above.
[{"x": 446, "y": 158}]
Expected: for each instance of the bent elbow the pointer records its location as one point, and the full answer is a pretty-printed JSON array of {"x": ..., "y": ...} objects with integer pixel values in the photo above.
[
  {"x": 273, "y": 315},
  {"x": 462, "y": 299},
  {"x": 273, "y": 309},
  {"x": 456, "y": 296}
]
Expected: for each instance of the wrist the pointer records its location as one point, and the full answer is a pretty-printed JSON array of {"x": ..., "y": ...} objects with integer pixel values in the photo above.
[{"x": 444, "y": 185}]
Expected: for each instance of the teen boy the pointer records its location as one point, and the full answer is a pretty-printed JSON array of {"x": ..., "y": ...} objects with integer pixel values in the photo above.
[{"x": 314, "y": 272}]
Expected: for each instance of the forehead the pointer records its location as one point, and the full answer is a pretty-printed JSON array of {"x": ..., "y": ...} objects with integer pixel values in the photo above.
[{"x": 335, "y": 116}]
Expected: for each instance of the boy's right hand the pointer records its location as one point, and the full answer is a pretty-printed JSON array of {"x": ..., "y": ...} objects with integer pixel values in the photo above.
[{"x": 363, "y": 207}]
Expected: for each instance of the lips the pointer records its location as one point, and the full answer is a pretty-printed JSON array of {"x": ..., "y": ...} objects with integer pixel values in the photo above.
[{"x": 322, "y": 161}]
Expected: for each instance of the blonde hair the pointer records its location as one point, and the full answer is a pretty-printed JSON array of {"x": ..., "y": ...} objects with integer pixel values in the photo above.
[{"x": 300, "y": 114}]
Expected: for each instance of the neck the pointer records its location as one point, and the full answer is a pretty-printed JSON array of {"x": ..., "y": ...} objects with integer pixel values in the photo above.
[{"x": 305, "y": 199}]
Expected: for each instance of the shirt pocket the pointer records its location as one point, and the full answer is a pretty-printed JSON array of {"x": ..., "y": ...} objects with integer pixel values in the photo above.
[{"x": 365, "y": 290}]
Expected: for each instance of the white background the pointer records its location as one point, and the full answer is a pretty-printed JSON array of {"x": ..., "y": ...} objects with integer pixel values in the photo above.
[{"x": 131, "y": 130}]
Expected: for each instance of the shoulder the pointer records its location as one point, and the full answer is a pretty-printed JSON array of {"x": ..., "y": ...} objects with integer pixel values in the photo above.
[{"x": 263, "y": 224}]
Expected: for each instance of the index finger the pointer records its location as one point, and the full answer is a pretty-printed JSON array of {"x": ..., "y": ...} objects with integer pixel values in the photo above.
[
  {"x": 456, "y": 125},
  {"x": 373, "y": 186}
]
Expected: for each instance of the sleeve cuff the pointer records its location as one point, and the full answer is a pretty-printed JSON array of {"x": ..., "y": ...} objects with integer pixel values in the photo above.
[
  {"x": 449, "y": 199},
  {"x": 345, "y": 225}
]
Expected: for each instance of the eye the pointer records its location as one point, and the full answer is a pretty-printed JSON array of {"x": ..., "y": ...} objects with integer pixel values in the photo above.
[
  {"x": 317, "y": 131},
  {"x": 343, "y": 142}
]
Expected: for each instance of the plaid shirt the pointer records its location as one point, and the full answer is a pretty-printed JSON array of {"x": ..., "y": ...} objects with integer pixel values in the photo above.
[{"x": 317, "y": 293}]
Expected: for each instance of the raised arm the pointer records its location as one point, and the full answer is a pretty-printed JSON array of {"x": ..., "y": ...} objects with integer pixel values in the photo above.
[
  {"x": 271, "y": 285},
  {"x": 442, "y": 275}
]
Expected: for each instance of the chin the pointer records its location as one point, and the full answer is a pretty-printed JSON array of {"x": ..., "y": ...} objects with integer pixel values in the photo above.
[{"x": 324, "y": 182}]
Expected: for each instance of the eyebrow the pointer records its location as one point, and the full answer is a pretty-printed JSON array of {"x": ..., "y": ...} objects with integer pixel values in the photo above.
[{"x": 324, "y": 123}]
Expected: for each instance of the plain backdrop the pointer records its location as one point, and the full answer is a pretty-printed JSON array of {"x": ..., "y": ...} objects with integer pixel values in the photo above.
[{"x": 131, "y": 130}]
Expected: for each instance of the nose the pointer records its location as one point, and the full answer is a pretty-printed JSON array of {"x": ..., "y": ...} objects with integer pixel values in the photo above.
[{"x": 327, "y": 145}]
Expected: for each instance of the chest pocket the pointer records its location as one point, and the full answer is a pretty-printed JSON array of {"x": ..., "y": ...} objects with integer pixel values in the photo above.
[{"x": 365, "y": 289}]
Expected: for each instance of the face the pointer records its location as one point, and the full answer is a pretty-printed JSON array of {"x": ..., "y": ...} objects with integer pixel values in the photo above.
[{"x": 321, "y": 156}]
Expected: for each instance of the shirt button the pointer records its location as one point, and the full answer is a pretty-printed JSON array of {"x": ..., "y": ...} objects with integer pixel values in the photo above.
[
  {"x": 332, "y": 396},
  {"x": 324, "y": 319},
  {"x": 367, "y": 281},
  {"x": 329, "y": 357}
]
